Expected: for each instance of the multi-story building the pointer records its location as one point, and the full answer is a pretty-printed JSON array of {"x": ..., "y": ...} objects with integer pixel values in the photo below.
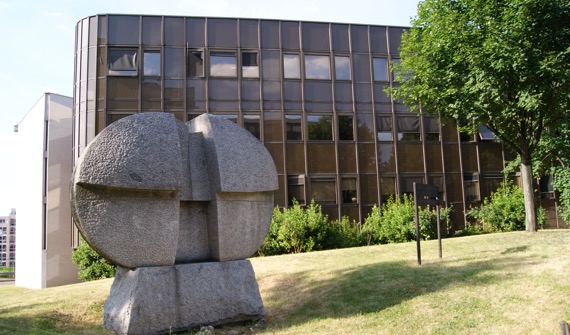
[
  {"x": 8, "y": 240},
  {"x": 312, "y": 92},
  {"x": 44, "y": 214}
]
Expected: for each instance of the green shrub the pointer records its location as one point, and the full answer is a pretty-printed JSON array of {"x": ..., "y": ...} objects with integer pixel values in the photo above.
[
  {"x": 504, "y": 210},
  {"x": 395, "y": 222},
  {"x": 92, "y": 266}
]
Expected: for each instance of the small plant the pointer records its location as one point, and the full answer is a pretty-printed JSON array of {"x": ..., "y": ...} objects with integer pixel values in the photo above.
[{"x": 92, "y": 266}]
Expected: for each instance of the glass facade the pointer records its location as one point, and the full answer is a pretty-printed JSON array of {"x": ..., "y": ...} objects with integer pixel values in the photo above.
[{"x": 313, "y": 93}]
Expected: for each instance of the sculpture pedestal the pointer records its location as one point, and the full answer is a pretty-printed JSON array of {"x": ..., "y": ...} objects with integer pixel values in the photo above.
[{"x": 160, "y": 299}]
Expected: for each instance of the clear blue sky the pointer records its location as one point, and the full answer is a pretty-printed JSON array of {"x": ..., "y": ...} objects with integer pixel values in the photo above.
[{"x": 37, "y": 39}]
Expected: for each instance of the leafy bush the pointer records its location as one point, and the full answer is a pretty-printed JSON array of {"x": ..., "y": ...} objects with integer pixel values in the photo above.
[
  {"x": 562, "y": 183},
  {"x": 504, "y": 210},
  {"x": 395, "y": 222},
  {"x": 295, "y": 230},
  {"x": 92, "y": 266}
]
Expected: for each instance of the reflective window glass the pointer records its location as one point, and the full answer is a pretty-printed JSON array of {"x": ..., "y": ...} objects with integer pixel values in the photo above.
[
  {"x": 367, "y": 157},
  {"x": 407, "y": 183},
  {"x": 223, "y": 89},
  {"x": 317, "y": 67},
  {"x": 386, "y": 158},
  {"x": 431, "y": 129},
  {"x": 249, "y": 65},
  {"x": 222, "y": 33},
  {"x": 410, "y": 157},
  {"x": 123, "y": 29},
  {"x": 195, "y": 32},
  {"x": 294, "y": 127},
  {"x": 321, "y": 157},
  {"x": 173, "y": 63},
  {"x": 471, "y": 185},
  {"x": 342, "y": 67},
  {"x": 365, "y": 127},
  {"x": 348, "y": 189},
  {"x": 295, "y": 158},
  {"x": 270, "y": 64},
  {"x": 151, "y": 62},
  {"x": 315, "y": 36},
  {"x": 292, "y": 90},
  {"x": 195, "y": 63},
  {"x": 152, "y": 30},
  {"x": 408, "y": 128},
  {"x": 318, "y": 91},
  {"x": 291, "y": 66},
  {"x": 296, "y": 189},
  {"x": 345, "y": 130},
  {"x": 122, "y": 62},
  {"x": 340, "y": 40},
  {"x": 250, "y": 90},
  {"x": 324, "y": 190},
  {"x": 252, "y": 124},
  {"x": 361, "y": 68},
  {"x": 343, "y": 92},
  {"x": 174, "y": 31},
  {"x": 272, "y": 125},
  {"x": 395, "y": 37},
  {"x": 269, "y": 34},
  {"x": 223, "y": 64},
  {"x": 290, "y": 35},
  {"x": 387, "y": 188},
  {"x": 346, "y": 157},
  {"x": 271, "y": 90},
  {"x": 319, "y": 127},
  {"x": 384, "y": 127},
  {"x": 249, "y": 37},
  {"x": 380, "y": 68},
  {"x": 378, "y": 40},
  {"x": 359, "y": 38}
]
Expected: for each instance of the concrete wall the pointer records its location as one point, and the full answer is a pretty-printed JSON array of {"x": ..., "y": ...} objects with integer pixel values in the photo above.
[{"x": 44, "y": 144}]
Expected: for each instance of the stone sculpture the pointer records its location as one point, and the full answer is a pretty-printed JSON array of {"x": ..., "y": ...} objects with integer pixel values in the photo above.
[{"x": 178, "y": 207}]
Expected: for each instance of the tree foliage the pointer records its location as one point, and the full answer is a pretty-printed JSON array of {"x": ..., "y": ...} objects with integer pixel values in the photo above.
[
  {"x": 92, "y": 266},
  {"x": 501, "y": 63}
]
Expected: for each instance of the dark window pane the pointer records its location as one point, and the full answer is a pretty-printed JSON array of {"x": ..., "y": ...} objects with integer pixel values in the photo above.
[
  {"x": 290, "y": 35},
  {"x": 250, "y": 90},
  {"x": 173, "y": 63},
  {"x": 491, "y": 156},
  {"x": 454, "y": 192},
  {"x": 321, "y": 157},
  {"x": 380, "y": 69},
  {"x": 471, "y": 185},
  {"x": 433, "y": 157},
  {"x": 195, "y": 64},
  {"x": 343, "y": 92},
  {"x": 270, "y": 65},
  {"x": 249, "y": 37},
  {"x": 122, "y": 88},
  {"x": 345, "y": 132},
  {"x": 410, "y": 157},
  {"x": 151, "y": 94},
  {"x": 269, "y": 34},
  {"x": 367, "y": 157},
  {"x": 173, "y": 31},
  {"x": 368, "y": 189},
  {"x": 223, "y": 89},
  {"x": 365, "y": 127},
  {"x": 449, "y": 132},
  {"x": 469, "y": 155},
  {"x": 317, "y": 67},
  {"x": 195, "y": 32},
  {"x": 272, "y": 126},
  {"x": 252, "y": 124},
  {"x": 291, "y": 66},
  {"x": 451, "y": 157},
  {"x": 317, "y": 91},
  {"x": 431, "y": 129},
  {"x": 222, "y": 33},
  {"x": 387, "y": 188},
  {"x": 196, "y": 90},
  {"x": 348, "y": 189},
  {"x": 379, "y": 95},
  {"x": 174, "y": 89},
  {"x": 152, "y": 30},
  {"x": 249, "y": 65},
  {"x": 362, "y": 93},
  {"x": 296, "y": 187},
  {"x": 295, "y": 158},
  {"x": 384, "y": 127},
  {"x": 123, "y": 29},
  {"x": 491, "y": 184},
  {"x": 359, "y": 36},
  {"x": 271, "y": 90},
  {"x": 378, "y": 40},
  {"x": 395, "y": 36},
  {"x": 315, "y": 36},
  {"x": 294, "y": 127},
  {"x": 386, "y": 158},
  {"x": 122, "y": 62},
  {"x": 340, "y": 37},
  {"x": 319, "y": 127},
  {"x": 276, "y": 151},
  {"x": 361, "y": 68},
  {"x": 292, "y": 90},
  {"x": 323, "y": 191},
  {"x": 223, "y": 64},
  {"x": 346, "y": 158},
  {"x": 342, "y": 67},
  {"x": 408, "y": 128},
  {"x": 407, "y": 184},
  {"x": 102, "y": 33}
]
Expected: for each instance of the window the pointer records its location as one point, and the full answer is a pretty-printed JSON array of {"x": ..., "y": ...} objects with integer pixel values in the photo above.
[
  {"x": 291, "y": 66},
  {"x": 380, "y": 69},
  {"x": 249, "y": 65},
  {"x": 293, "y": 127},
  {"x": 324, "y": 190},
  {"x": 151, "y": 63},
  {"x": 408, "y": 128},
  {"x": 431, "y": 128},
  {"x": 296, "y": 189},
  {"x": 319, "y": 127},
  {"x": 345, "y": 132},
  {"x": 122, "y": 62},
  {"x": 471, "y": 184},
  {"x": 223, "y": 64},
  {"x": 348, "y": 186},
  {"x": 317, "y": 67},
  {"x": 342, "y": 67},
  {"x": 485, "y": 134},
  {"x": 384, "y": 127},
  {"x": 195, "y": 64},
  {"x": 251, "y": 123},
  {"x": 546, "y": 188}
]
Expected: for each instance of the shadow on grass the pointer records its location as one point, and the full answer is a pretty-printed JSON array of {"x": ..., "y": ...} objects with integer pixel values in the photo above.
[{"x": 372, "y": 288}]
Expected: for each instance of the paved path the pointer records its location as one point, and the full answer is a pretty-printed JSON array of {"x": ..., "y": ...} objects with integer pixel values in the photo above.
[{"x": 6, "y": 282}]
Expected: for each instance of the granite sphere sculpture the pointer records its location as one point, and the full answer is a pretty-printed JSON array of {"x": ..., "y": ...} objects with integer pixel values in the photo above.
[{"x": 157, "y": 196}]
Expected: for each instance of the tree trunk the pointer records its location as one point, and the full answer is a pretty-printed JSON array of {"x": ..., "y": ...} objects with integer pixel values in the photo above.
[{"x": 529, "y": 207}]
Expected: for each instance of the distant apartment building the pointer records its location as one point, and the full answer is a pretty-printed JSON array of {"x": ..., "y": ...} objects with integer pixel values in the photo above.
[
  {"x": 312, "y": 92},
  {"x": 44, "y": 140},
  {"x": 8, "y": 239}
]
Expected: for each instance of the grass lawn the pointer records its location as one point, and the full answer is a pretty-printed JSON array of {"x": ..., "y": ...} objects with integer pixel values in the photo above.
[{"x": 510, "y": 283}]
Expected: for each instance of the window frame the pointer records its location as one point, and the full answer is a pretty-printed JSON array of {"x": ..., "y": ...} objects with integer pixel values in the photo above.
[
  {"x": 131, "y": 71},
  {"x": 223, "y": 73}
]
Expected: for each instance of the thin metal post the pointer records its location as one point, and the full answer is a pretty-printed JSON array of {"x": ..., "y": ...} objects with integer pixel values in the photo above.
[
  {"x": 438, "y": 231},
  {"x": 417, "y": 226}
]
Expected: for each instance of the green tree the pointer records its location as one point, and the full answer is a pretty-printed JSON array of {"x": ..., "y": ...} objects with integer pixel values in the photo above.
[
  {"x": 500, "y": 63},
  {"x": 92, "y": 266}
]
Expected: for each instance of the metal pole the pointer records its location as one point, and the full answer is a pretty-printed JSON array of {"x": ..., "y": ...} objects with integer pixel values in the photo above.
[
  {"x": 417, "y": 226},
  {"x": 438, "y": 231}
]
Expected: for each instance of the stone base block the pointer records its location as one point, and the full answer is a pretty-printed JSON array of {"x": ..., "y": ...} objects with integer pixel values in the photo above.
[{"x": 161, "y": 299}]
